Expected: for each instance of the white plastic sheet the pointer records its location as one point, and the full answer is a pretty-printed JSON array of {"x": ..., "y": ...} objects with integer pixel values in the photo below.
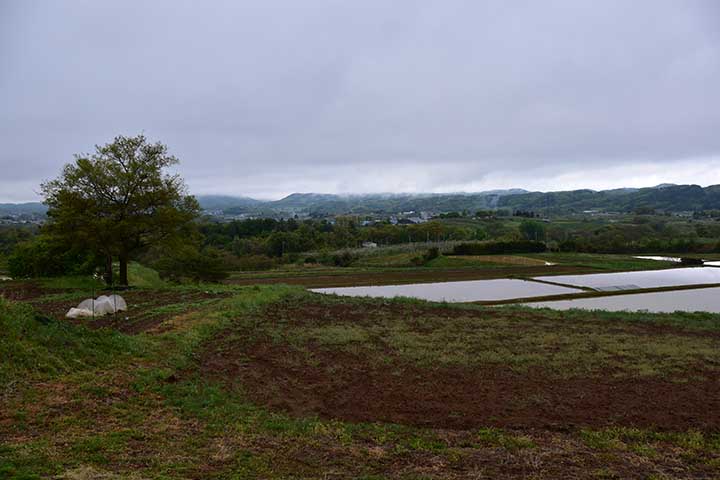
[
  {"x": 103, "y": 305},
  {"x": 79, "y": 312},
  {"x": 118, "y": 303}
]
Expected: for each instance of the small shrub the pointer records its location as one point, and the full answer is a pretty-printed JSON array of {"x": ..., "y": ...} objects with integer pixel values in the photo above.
[
  {"x": 344, "y": 259},
  {"x": 41, "y": 257},
  {"x": 431, "y": 254},
  {"x": 417, "y": 261},
  {"x": 255, "y": 262},
  {"x": 189, "y": 263}
]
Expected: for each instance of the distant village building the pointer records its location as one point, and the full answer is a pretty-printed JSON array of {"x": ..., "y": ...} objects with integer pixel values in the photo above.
[{"x": 369, "y": 245}]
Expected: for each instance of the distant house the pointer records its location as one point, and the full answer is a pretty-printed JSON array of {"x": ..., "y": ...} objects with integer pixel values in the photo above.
[{"x": 369, "y": 245}]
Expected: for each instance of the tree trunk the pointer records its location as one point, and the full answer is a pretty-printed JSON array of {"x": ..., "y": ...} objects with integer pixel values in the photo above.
[
  {"x": 108, "y": 275},
  {"x": 124, "y": 269}
]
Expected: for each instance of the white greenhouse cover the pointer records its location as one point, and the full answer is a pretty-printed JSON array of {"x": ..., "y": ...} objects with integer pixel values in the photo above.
[
  {"x": 102, "y": 305},
  {"x": 118, "y": 303},
  {"x": 79, "y": 312}
]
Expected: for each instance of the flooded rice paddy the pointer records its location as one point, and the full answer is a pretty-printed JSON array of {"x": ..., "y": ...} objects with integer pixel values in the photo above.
[
  {"x": 500, "y": 290},
  {"x": 659, "y": 258},
  {"x": 674, "y": 277},
  {"x": 696, "y": 300},
  {"x": 466, "y": 291}
]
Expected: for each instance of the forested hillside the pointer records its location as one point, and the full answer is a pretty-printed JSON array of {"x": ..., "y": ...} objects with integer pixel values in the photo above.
[{"x": 673, "y": 198}]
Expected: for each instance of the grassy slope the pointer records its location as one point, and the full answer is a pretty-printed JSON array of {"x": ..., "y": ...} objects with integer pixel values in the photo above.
[{"x": 84, "y": 402}]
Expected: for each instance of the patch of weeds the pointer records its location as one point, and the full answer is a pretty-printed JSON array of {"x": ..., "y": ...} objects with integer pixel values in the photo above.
[
  {"x": 142, "y": 276},
  {"x": 247, "y": 464},
  {"x": 498, "y": 438},
  {"x": 99, "y": 449},
  {"x": 338, "y": 335},
  {"x": 20, "y": 417},
  {"x": 8, "y": 471},
  {"x": 427, "y": 444},
  {"x": 643, "y": 449},
  {"x": 26, "y": 461},
  {"x": 35, "y": 350},
  {"x": 177, "y": 308},
  {"x": 602, "y": 439},
  {"x": 337, "y": 431},
  {"x": 645, "y": 442},
  {"x": 605, "y": 472}
]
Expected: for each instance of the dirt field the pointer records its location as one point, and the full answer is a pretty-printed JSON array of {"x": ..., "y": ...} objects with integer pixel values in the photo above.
[
  {"x": 530, "y": 375},
  {"x": 344, "y": 379}
]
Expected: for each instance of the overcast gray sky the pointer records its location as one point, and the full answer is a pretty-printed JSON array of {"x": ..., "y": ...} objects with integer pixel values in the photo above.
[{"x": 265, "y": 98}]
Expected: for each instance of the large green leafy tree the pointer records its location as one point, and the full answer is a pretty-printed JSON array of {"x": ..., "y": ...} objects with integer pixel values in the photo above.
[
  {"x": 119, "y": 200},
  {"x": 532, "y": 230}
]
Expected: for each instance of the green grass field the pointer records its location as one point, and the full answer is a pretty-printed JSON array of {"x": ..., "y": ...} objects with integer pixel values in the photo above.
[{"x": 274, "y": 382}]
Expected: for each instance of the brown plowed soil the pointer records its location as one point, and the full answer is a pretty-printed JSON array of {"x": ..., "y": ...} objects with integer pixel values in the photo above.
[
  {"x": 345, "y": 386},
  {"x": 342, "y": 384}
]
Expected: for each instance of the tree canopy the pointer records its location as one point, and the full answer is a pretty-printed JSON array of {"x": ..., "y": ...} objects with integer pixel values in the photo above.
[
  {"x": 532, "y": 230},
  {"x": 119, "y": 200}
]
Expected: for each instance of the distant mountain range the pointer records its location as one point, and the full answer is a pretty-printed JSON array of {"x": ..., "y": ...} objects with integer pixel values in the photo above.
[
  {"x": 673, "y": 198},
  {"x": 329, "y": 204},
  {"x": 14, "y": 209},
  {"x": 665, "y": 197}
]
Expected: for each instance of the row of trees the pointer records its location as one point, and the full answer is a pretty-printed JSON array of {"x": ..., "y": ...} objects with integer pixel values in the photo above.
[{"x": 276, "y": 238}]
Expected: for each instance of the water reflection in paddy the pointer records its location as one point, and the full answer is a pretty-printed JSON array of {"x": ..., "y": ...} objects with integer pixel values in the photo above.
[
  {"x": 698, "y": 300},
  {"x": 466, "y": 291},
  {"x": 659, "y": 258},
  {"x": 642, "y": 279}
]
